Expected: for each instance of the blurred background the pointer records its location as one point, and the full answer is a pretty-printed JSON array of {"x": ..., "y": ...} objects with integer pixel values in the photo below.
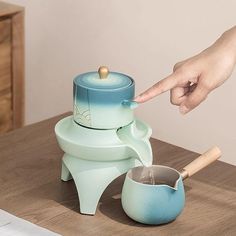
[{"x": 143, "y": 39}]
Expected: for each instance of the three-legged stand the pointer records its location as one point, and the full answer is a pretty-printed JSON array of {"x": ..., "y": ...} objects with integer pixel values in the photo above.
[{"x": 91, "y": 178}]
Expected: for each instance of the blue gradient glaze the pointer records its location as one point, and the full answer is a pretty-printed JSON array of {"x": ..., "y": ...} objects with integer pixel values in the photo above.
[
  {"x": 152, "y": 204},
  {"x": 104, "y": 97},
  {"x": 98, "y": 103},
  {"x": 114, "y": 80},
  {"x": 109, "y": 94}
]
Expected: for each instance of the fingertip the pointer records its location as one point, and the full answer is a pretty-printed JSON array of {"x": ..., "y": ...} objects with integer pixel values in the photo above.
[
  {"x": 139, "y": 99},
  {"x": 183, "y": 109}
]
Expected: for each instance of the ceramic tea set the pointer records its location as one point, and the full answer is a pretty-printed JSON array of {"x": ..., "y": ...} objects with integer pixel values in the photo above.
[{"x": 103, "y": 140}]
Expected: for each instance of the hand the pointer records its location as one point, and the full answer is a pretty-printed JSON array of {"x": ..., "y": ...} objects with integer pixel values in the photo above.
[{"x": 193, "y": 79}]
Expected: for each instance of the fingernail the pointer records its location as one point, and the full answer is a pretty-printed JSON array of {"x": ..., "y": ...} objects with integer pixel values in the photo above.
[
  {"x": 183, "y": 110},
  {"x": 137, "y": 99}
]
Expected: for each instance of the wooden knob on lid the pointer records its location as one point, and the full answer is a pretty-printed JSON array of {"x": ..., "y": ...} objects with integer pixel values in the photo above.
[{"x": 103, "y": 72}]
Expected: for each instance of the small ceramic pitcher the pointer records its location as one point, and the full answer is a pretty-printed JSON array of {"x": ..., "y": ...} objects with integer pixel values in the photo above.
[{"x": 155, "y": 194}]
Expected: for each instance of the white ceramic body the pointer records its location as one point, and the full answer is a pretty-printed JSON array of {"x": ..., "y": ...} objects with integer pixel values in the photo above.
[
  {"x": 153, "y": 204},
  {"x": 98, "y": 116},
  {"x": 95, "y": 145},
  {"x": 94, "y": 158}
]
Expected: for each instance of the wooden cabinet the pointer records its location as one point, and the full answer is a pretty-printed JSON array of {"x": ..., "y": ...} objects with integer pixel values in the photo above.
[{"x": 11, "y": 67}]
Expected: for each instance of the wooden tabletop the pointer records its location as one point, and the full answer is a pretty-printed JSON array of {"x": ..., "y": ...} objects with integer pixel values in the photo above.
[{"x": 30, "y": 187}]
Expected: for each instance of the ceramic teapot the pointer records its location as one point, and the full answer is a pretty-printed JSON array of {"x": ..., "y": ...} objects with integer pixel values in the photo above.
[{"x": 103, "y": 99}]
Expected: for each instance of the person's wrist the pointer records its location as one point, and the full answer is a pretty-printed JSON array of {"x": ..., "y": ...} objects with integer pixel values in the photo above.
[{"x": 228, "y": 42}]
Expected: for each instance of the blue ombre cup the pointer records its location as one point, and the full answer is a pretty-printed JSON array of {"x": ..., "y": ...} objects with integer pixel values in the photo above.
[
  {"x": 153, "y": 195},
  {"x": 103, "y": 99}
]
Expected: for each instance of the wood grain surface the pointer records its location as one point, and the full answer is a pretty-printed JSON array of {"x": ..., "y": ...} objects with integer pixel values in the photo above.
[
  {"x": 11, "y": 66},
  {"x": 31, "y": 188},
  {"x": 18, "y": 69},
  {"x": 5, "y": 56},
  {"x": 5, "y": 113},
  {"x": 5, "y": 76},
  {"x": 7, "y": 9}
]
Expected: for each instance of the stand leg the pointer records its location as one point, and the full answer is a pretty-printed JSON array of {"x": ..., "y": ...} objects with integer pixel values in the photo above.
[
  {"x": 65, "y": 173},
  {"x": 91, "y": 178}
]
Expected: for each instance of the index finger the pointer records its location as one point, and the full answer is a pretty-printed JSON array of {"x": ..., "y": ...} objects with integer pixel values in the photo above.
[{"x": 160, "y": 87}]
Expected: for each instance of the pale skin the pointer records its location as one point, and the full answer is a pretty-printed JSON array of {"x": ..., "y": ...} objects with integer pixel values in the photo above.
[{"x": 194, "y": 78}]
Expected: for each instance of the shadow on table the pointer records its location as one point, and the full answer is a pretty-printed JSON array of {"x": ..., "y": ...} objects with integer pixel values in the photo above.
[
  {"x": 65, "y": 193},
  {"x": 109, "y": 204}
]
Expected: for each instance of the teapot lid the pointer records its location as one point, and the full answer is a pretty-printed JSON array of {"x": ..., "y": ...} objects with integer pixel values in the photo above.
[{"x": 103, "y": 80}]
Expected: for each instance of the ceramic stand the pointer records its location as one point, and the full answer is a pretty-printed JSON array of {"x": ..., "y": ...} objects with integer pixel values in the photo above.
[{"x": 91, "y": 178}]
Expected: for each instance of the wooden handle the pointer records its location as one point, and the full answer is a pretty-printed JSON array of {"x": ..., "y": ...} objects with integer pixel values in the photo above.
[
  {"x": 202, "y": 161},
  {"x": 103, "y": 72}
]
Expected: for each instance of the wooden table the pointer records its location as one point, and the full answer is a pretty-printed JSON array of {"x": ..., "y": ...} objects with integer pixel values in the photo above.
[{"x": 31, "y": 188}]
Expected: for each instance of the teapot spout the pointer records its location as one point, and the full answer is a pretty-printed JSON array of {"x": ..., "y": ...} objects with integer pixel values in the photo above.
[
  {"x": 136, "y": 137},
  {"x": 131, "y": 104}
]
